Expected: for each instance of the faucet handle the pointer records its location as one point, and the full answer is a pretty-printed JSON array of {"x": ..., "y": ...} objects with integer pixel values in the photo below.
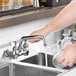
[
  {"x": 35, "y": 37},
  {"x": 8, "y": 54}
]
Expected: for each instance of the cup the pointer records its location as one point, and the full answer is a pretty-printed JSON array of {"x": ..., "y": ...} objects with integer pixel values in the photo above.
[{"x": 55, "y": 60}]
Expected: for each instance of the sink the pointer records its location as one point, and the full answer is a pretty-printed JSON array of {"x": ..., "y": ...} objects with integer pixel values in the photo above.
[
  {"x": 39, "y": 59},
  {"x": 32, "y": 71},
  {"x": 36, "y": 59}
]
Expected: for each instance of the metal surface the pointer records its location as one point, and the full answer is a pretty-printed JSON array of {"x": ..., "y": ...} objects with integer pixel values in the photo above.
[
  {"x": 24, "y": 38},
  {"x": 4, "y": 71},
  {"x": 39, "y": 59},
  {"x": 31, "y": 71},
  {"x": 11, "y": 70}
]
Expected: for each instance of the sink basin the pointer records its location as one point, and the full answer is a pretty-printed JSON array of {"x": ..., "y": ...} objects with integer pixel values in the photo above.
[
  {"x": 39, "y": 59},
  {"x": 32, "y": 71},
  {"x": 36, "y": 59}
]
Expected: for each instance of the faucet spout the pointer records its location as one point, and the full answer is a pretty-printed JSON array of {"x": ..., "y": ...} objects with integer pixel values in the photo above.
[{"x": 35, "y": 37}]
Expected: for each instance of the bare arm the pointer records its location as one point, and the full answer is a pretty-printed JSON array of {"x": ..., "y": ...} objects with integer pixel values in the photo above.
[{"x": 66, "y": 17}]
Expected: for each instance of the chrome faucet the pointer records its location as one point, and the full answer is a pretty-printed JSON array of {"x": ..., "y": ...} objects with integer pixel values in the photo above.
[
  {"x": 22, "y": 48},
  {"x": 25, "y": 38}
]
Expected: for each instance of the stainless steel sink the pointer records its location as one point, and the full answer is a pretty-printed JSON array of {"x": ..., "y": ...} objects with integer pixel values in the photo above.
[
  {"x": 40, "y": 59},
  {"x": 32, "y": 71},
  {"x": 37, "y": 67}
]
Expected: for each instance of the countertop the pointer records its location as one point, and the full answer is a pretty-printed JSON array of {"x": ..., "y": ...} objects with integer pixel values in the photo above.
[{"x": 24, "y": 17}]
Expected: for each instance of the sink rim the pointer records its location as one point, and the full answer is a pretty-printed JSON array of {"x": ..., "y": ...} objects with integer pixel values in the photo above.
[
  {"x": 38, "y": 66},
  {"x": 41, "y": 67}
]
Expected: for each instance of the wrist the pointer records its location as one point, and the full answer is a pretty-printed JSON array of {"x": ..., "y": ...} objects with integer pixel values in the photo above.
[{"x": 45, "y": 30}]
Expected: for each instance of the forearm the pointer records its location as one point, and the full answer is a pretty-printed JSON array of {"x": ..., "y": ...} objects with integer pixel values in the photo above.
[{"x": 66, "y": 17}]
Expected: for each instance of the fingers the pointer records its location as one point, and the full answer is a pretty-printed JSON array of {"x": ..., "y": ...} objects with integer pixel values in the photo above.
[
  {"x": 70, "y": 64},
  {"x": 61, "y": 59},
  {"x": 66, "y": 61},
  {"x": 34, "y": 40}
]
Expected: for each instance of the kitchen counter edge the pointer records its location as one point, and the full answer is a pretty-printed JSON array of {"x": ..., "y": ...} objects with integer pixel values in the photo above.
[{"x": 25, "y": 17}]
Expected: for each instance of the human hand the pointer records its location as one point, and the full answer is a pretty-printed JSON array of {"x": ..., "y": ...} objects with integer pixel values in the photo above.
[
  {"x": 38, "y": 32},
  {"x": 68, "y": 58}
]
